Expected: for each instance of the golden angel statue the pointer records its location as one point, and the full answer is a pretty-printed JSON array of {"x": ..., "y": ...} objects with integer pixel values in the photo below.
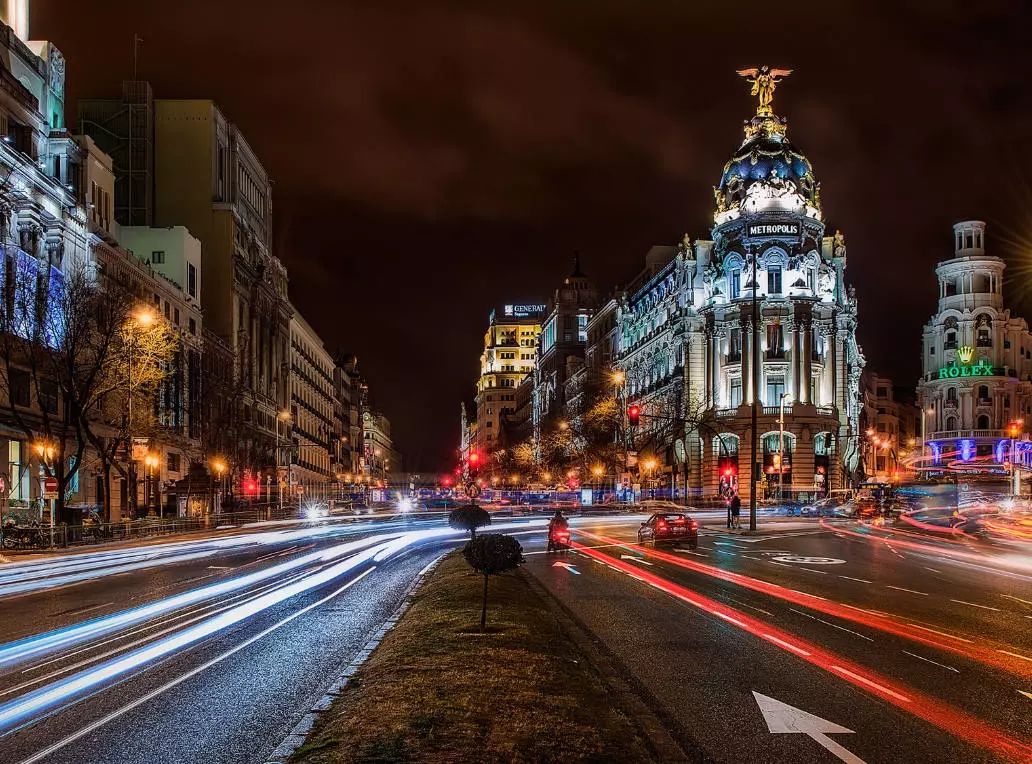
[{"x": 763, "y": 80}]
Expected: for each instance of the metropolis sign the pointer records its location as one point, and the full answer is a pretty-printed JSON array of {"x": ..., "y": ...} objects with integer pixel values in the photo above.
[{"x": 772, "y": 229}]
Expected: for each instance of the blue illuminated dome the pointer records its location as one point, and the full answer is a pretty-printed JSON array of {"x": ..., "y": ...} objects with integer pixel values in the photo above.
[{"x": 765, "y": 157}]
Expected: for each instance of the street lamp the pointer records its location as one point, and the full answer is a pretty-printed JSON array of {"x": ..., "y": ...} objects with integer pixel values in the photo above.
[
  {"x": 925, "y": 413},
  {"x": 142, "y": 318},
  {"x": 598, "y": 471},
  {"x": 219, "y": 466},
  {"x": 650, "y": 465},
  {"x": 1014, "y": 430},
  {"x": 781, "y": 447},
  {"x": 151, "y": 493},
  {"x": 46, "y": 451},
  {"x": 282, "y": 416}
]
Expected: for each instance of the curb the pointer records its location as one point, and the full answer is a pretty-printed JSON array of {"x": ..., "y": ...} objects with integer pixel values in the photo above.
[{"x": 297, "y": 736}]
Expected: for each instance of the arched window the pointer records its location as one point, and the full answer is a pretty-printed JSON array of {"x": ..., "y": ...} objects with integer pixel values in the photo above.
[
  {"x": 982, "y": 423},
  {"x": 951, "y": 394},
  {"x": 951, "y": 423}
]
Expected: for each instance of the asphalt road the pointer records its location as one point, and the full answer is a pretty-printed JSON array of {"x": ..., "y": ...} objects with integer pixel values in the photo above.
[
  {"x": 210, "y": 650},
  {"x": 921, "y": 648},
  {"x": 203, "y": 651}
]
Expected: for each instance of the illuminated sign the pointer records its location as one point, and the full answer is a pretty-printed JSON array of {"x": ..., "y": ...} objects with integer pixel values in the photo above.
[
  {"x": 966, "y": 369},
  {"x": 773, "y": 229},
  {"x": 523, "y": 311}
]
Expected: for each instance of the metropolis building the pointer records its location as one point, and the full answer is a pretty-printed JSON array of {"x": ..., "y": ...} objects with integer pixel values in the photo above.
[
  {"x": 976, "y": 359},
  {"x": 687, "y": 329}
]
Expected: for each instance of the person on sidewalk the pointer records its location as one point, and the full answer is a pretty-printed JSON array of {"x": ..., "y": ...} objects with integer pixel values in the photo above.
[
  {"x": 730, "y": 498},
  {"x": 736, "y": 511}
]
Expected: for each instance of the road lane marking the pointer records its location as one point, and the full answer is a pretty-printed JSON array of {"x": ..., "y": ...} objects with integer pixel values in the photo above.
[
  {"x": 568, "y": 567},
  {"x": 901, "y": 589},
  {"x": 942, "y": 633},
  {"x": 861, "y": 580},
  {"x": 974, "y": 604},
  {"x": 934, "y": 570},
  {"x": 635, "y": 559},
  {"x": 787, "y": 645},
  {"x": 782, "y": 718},
  {"x": 1018, "y": 599},
  {"x": 39, "y": 755},
  {"x": 797, "y": 567},
  {"x": 929, "y": 660},
  {"x": 832, "y": 625},
  {"x": 1016, "y": 655},
  {"x": 82, "y": 610},
  {"x": 870, "y": 683},
  {"x": 1026, "y": 694}
]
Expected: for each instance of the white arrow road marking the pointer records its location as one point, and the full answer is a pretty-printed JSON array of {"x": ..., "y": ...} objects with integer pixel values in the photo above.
[
  {"x": 804, "y": 560},
  {"x": 636, "y": 559},
  {"x": 566, "y": 565},
  {"x": 783, "y": 718},
  {"x": 1026, "y": 694}
]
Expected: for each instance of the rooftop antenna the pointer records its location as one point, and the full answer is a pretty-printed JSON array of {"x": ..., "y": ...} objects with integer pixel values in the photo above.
[{"x": 136, "y": 53}]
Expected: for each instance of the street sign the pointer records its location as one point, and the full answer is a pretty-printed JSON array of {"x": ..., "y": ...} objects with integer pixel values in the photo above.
[
  {"x": 625, "y": 480},
  {"x": 50, "y": 488}
]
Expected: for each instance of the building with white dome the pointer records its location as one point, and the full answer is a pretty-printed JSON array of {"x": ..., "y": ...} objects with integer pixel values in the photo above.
[
  {"x": 760, "y": 312},
  {"x": 976, "y": 362}
]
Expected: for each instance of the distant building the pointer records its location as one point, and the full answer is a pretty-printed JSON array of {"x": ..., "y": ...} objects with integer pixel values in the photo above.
[
  {"x": 508, "y": 358},
  {"x": 892, "y": 429},
  {"x": 976, "y": 359},
  {"x": 380, "y": 456},
  {"x": 309, "y": 464},
  {"x": 562, "y": 345}
]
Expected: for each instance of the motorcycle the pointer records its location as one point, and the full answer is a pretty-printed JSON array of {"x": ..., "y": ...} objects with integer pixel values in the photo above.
[{"x": 559, "y": 539}]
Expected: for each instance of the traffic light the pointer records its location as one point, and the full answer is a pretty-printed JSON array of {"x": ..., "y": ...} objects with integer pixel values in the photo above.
[
  {"x": 633, "y": 414},
  {"x": 474, "y": 463}
]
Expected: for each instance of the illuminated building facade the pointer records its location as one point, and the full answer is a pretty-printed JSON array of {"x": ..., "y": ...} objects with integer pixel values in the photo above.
[
  {"x": 976, "y": 361},
  {"x": 687, "y": 331},
  {"x": 507, "y": 359}
]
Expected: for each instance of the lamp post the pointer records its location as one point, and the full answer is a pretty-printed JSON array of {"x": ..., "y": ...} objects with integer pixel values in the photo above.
[
  {"x": 754, "y": 351},
  {"x": 650, "y": 465},
  {"x": 925, "y": 413},
  {"x": 1014, "y": 430},
  {"x": 150, "y": 462},
  {"x": 282, "y": 416},
  {"x": 142, "y": 319},
  {"x": 598, "y": 471},
  {"x": 781, "y": 447},
  {"x": 46, "y": 451},
  {"x": 219, "y": 466}
]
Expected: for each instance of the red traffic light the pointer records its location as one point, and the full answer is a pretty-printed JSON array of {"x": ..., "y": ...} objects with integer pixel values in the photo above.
[
  {"x": 474, "y": 458},
  {"x": 633, "y": 414}
]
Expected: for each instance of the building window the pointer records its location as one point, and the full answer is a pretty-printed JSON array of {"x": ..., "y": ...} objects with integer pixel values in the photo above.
[
  {"x": 735, "y": 284},
  {"x": 951, "y": 339},
  {"x": 775, "y": 341},
  {"x": 951, "y": 394},
  {"x": 19, "y": 380},
  {"x": 48, "y": 396},
  {"x": 984, "y": 339},
  {"x": 734, "y": 346},
  {"x": 172, "y": 462},
  {"x": 191, "y": 280},
  {"x": 774, "y": 279},
  {"x": 982, "y": 423},
  {"x": 193, "y": 326},
  {"x": 735, "y": 392},
  {"x": 775, "y": 388},
  {"x": 157, "y": 257},
  {"x": 983, "y": 393}
]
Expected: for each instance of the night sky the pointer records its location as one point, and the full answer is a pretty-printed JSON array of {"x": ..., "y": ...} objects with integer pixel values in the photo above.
[{"x": 432, "y": 160}]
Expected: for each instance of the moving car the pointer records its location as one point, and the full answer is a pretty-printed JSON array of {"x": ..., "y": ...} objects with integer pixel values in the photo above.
[{"x": 669, "y": 528}]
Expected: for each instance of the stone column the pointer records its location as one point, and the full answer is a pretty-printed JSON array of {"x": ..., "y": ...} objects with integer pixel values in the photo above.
[
  {"x": 715, "y": 368},
  {"x": 746, "y": 362},
  {"x": 807, "y": 337},
  {"x": 833, "y": 360},
  {"x": 797, "y": 366}
]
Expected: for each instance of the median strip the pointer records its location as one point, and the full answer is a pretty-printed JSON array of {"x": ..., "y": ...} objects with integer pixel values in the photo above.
[{"x": 438, "y": 689}]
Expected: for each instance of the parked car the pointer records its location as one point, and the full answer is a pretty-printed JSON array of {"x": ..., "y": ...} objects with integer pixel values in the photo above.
[
  {"x": 827, "y": 507},
  {"x": 669, "y": 528}
]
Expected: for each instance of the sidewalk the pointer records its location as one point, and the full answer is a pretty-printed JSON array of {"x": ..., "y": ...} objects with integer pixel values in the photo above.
[{"x": 766, "y": 526}]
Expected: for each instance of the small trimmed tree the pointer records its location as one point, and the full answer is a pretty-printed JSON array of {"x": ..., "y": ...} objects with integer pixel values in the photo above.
[
  {"x": 469, "y": 518},
  {"x": 489, "y": 555}
]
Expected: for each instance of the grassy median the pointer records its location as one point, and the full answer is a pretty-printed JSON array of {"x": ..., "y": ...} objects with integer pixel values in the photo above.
[{"x": 437, "y": 690}]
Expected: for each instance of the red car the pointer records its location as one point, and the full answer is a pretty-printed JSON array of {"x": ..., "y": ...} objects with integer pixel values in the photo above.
[{"x": 669, "y": 528}]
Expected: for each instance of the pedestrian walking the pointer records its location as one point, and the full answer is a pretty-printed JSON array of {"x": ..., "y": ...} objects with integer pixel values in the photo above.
[
  {"x": 730, "y": 499},
  {"x": 736, "y": 511}
]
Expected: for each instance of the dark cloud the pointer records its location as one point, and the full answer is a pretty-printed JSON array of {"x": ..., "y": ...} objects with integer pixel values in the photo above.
[{"x": 434, "y": 159}]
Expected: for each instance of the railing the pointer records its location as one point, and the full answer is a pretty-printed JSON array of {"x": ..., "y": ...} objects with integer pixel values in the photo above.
[
  {"x": 954, "y": 434},
  {"x": 776, "y": 410}
]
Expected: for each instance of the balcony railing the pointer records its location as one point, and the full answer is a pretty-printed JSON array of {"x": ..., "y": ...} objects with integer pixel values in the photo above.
[{"x": 956, "y": 434}]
